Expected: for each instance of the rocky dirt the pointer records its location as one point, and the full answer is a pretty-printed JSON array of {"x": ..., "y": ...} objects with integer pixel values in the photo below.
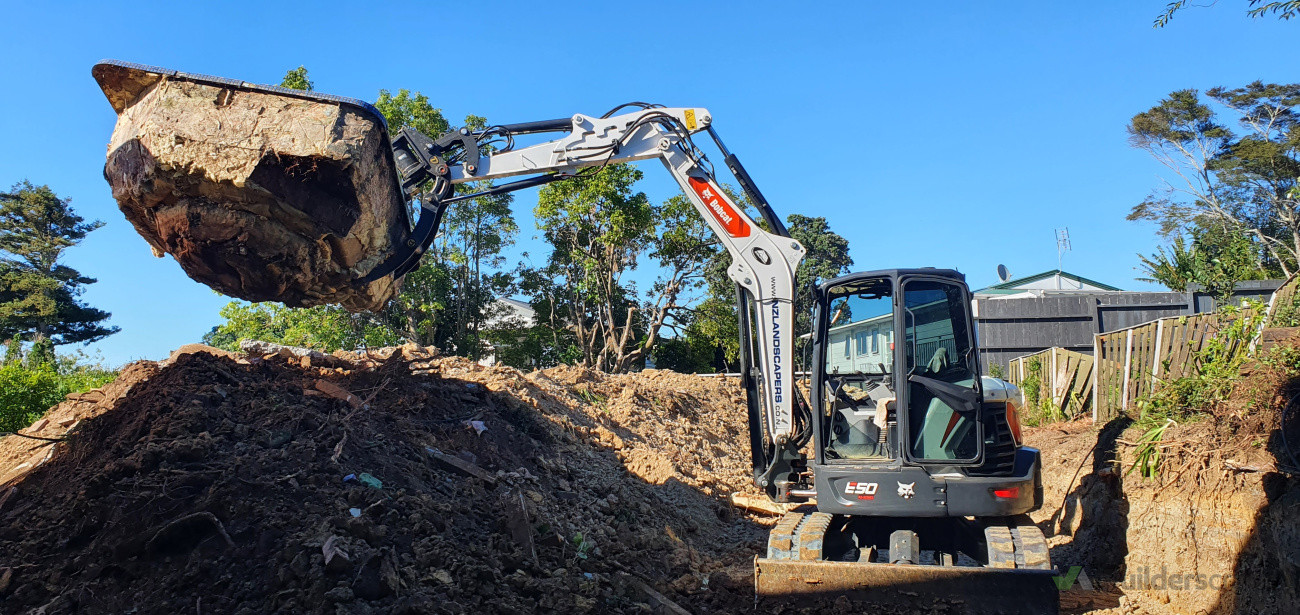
[
  {"x": 401, "y": 481},
  {"x": 1222, "y": 517},
  {"x": 228, "y": 484}
]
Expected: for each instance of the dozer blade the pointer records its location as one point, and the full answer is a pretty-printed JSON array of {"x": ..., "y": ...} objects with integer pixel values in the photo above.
[{"x": 957, "y": 589}]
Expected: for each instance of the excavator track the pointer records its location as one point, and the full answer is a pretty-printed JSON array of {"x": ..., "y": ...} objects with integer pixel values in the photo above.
[{"x": 1016, "y": 579}]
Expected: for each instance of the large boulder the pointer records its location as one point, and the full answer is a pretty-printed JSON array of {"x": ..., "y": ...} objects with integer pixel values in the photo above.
[{"x": 260, "y": 193}]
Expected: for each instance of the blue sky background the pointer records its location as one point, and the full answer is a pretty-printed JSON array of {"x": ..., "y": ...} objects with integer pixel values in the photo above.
[{"x": 930, "y": 134}]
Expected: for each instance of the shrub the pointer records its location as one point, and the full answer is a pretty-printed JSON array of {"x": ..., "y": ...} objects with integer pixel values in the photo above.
[{"x": 27, "y": 392}]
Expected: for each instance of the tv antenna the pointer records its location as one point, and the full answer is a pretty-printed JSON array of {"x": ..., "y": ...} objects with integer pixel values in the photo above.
[
  {"x": 1062, "y": 245},
  {"x": 1003, "y": 273}
]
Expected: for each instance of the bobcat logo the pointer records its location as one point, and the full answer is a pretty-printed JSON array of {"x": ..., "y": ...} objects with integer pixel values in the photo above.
[{"x": 906, "y": 491}]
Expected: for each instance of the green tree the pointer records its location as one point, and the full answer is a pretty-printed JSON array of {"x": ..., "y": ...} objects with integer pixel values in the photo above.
[
  {"x": 1216, "y": 260},
  {"x": 1284, "y": 10},
  {"x": 296, "y": 79},
  {"x": 826, "y": 256},
  {"x": 38, "y": 296},
  {"x": 32, "y": 382},
  {"x": 1175, "y": 269},
  {"x": 597, "y": 228},
  {"x": 1243, "y": 183},
  {"x": 413, "y": 110}
]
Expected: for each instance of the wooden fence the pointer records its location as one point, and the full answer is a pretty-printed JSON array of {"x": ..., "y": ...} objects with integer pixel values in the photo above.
[
  {"x": 1131, "y": 362},
  {"x": 1063, "y": 376}
]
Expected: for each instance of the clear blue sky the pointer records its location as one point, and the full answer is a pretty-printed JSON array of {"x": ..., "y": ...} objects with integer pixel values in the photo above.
[{"x": 954, "y": 135}]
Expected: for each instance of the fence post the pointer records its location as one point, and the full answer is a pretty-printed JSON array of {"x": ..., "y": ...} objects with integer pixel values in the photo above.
[
  {"x": 1051, "y": 380},
  {"x": 1096, "y": 371},
  {"x": 1155, "y": 368},
  {"x": 1128, "y": 362}
]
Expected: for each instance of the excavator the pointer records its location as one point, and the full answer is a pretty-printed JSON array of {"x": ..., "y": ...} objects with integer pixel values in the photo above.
[{"x": 903, "y": 468}]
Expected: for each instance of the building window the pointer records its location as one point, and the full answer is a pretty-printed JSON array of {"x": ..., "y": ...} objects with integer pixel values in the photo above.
[{"x": 875, "y": 341}]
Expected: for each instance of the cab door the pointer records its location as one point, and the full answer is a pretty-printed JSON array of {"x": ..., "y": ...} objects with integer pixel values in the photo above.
[{"x": 942, "y": 392}]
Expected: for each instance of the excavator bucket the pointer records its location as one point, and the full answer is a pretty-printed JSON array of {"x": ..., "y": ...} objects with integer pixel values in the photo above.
[
  {"x": 945, "y": 589},
  {"x": 260, "y": 192}
]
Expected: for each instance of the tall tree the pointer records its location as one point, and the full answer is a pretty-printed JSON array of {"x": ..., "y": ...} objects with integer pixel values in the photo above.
[
  {"x": 1243, "y": 183},
  {"x": 826, "y": 255},
  {"x": 413, "y": 110},
  {"x": 600, "y": 228},
  {"x": 597, "y": 228},
  {"x": 1216, "y": 259},
  {"x": 38, "y": 296}
]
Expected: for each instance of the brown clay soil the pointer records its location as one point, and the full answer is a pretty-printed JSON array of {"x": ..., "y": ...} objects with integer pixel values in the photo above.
[{"x": 1224, "y": 506}]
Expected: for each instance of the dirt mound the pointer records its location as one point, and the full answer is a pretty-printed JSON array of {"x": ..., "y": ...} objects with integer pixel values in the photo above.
[{"x": 398, "y": 482}]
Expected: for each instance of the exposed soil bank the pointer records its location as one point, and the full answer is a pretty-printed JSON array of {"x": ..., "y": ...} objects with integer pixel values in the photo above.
[{"x": 1218, "y": 531}]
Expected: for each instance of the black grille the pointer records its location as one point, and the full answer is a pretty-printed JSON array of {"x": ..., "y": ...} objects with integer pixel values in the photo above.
[{"x": 999, "y": 448}]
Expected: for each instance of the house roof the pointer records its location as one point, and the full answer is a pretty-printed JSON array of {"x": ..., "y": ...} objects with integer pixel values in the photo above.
[{"x": 1015, "y": 286}]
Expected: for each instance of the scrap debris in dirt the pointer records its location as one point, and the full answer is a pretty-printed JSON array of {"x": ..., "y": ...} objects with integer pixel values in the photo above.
[
  {"x": 262, "y": 196},
  {"x": 218, "y": 479}
]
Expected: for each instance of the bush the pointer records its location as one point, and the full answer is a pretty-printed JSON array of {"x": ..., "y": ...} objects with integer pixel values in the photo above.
[{"x": 26, "y": 392}]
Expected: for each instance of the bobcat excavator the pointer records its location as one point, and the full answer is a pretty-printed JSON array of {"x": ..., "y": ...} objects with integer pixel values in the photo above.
[{"x": 910, "y": 465}]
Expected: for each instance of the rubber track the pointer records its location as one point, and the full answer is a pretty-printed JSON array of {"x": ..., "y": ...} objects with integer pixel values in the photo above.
[
  {"x": 1031, "y": 548},
  {"x": 1001, "y": 546},
  {"x": 783, "y": 539},
  {"x": 812, "y": 536}
]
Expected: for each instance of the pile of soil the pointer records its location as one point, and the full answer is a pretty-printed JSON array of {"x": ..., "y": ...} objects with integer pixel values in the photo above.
[
  {"x": 392, "y": 482},
  {"x": 260, "y": 194},
  {"x": 402, "y": 481}
]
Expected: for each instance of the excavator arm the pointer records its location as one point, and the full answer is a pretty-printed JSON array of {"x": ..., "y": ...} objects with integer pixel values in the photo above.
[{"x": 763, "y": 262}]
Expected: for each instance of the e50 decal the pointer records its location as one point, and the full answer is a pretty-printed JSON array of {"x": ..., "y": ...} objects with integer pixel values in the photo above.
[{"x": 864, "y": 491}]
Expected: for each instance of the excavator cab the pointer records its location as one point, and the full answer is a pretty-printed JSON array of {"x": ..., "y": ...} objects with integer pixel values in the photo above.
[
  {"x": 899, "y": 402},
  {"x": 920, "y": 482}
]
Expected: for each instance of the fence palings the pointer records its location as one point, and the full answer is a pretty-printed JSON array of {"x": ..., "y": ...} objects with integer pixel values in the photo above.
[
  {"x": 1065, "y": 377},
  {"x": 1131, "y": 363}
]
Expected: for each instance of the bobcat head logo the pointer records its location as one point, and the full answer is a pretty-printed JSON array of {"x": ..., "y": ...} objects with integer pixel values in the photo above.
[{"x": 906, "y": 491}]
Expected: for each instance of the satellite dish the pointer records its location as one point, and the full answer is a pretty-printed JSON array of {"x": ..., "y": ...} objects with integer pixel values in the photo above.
[{"x": 1003, "y": 274}]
